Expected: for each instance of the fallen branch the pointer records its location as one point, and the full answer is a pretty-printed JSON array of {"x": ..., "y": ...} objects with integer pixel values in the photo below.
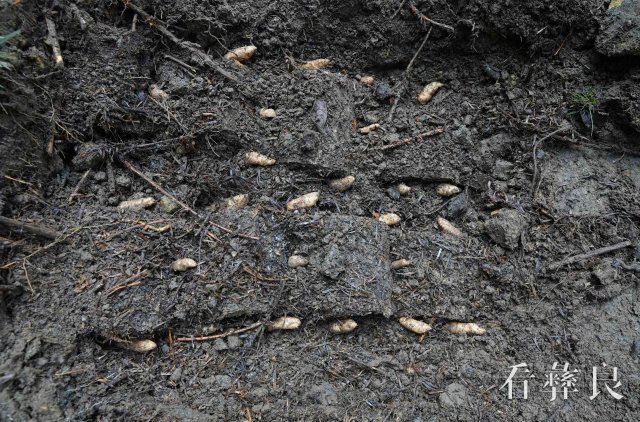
[
  {"x": 159, "y": 188},
  {"x": 223, "y": 335},
  {"x": 425, "y": 20},
  {"x": 591, "y": 254},
  {"x": 534, "y": 186},
  {"x": 405, "y": 78},
  {"x": 79, "y": 185},
  {"x": 184, "y": 206},
  {"x": 52, "y": 40},
  {"x": 406, "y": 141},
  {"x": 128, "y": 283},
  {"x": 160, "y": 26},
  {"x": 29, "y": 228},
  {"x": 259, "y": 276}
]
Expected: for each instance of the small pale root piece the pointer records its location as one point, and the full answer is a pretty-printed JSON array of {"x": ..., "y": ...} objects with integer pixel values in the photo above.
[
  {"x": 257, "y": 159},
  {"x": 137, "y": 204},
  {"x": 429, "y": 91},
  {"x": 368, "y": 129},
  {"x": 447, "y": 227},
  {"x": 464, "y": 328},
  {"x": 297, "y": 261},
  {"x": 367, "y": 80},
  {"x": 447, "y": 190},
  {"x": 343, "y": 184},
  {"x": 415, "y": 326},
  {"x": 316, "y": 64},
  {"x": 390, "y": 219},
  {"x": 267, "y": 113},
  {"x": 52, "y": 40},
  {"x": 308, "y": 200},
  {"x": 183, "y": 264},
  {"x": 237, "y": 202},
  {"x": 403, "y": 189},
  {"x": 140, "y": 346},
  {"x": 241, "y": 54},
  {"x": 285, "y": 323},
  {"x": 343, "y": 327},
  {"x": 156, "y": 93},
  {"x": 400, "y": 263}
]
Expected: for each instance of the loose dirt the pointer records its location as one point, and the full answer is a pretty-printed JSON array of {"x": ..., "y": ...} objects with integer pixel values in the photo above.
[{"x": 539, "y": 184}]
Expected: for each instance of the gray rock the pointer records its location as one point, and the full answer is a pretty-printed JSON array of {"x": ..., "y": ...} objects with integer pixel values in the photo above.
[
  {"x": 234, "y": 342},
  {"x": 371, "y": 117},
  {"x": 620, "y": 33},
  {"x": 223, "y": 381},
  {"x": 456, "y": 207},
  {"x": 383, "y": 91},
  {"x": 505, "y": 228},
  {"x": 323, "y": 394},
  {"x": 605, "y": 272},
  {"x": 220, "y": 345},
  {"x": 454, "y": 395},
  {"x": 176, "y": 375},
  {"x": 333, "y": 264},
  {"x": 123, "y": 181},
  {"x": 635, "y": 348},
  {"x": 100, "y": 176},
  {"x": 167, "y": 205}
]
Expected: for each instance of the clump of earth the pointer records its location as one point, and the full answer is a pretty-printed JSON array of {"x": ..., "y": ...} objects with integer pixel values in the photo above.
[{"x": 536, "y": 123}]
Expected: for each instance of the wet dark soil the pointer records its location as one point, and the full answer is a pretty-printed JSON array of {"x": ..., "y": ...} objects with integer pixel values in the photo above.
[{"x": 538, "y": 185}]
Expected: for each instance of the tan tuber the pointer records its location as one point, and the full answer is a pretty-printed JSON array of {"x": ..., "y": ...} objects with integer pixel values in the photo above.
[
  {"x": 447, "y": 190},
  {"x": 297, "y": 261},
  {"x": 241, "y": 54},
  {"x": 390, "y": 219},
  {"x": 267, "y": 113},
  {"x": 183, "y": 264},
  {"x": 257, "y": 159},
  {"x": 446, "y": 227},
  {"x": 285, "y": 323},
  {"x": 415, "y": 326},
  {"x": 464, "y": 328},
  {"x": 308, "y": 200},
  {"x": 238, "y": 202},
  {"x": 343, "y": 327},
  {"x": 316, "y": 64},
  {"x": 429, "y": 91},
  {"x": 342, "y": 184},
  {"x": 156, "y": 93},
  {"x": 400, "y": 263},
  {"x": 367, "y": 80},
  {"x": 403, "y": 189},
  {"x": 140, "y": 346},
  {"x": 137, "y": 204},
  {"x": 368, "y": 129}
]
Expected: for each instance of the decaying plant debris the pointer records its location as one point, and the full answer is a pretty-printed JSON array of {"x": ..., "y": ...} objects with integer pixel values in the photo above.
[{"x": 497, "y": 222}]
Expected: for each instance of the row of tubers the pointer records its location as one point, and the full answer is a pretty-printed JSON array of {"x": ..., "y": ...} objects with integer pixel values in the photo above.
[
  {"x": 241, "y": 55},
  {"x": 345, "y": 326},
  {"x": 348, "y": 325}
]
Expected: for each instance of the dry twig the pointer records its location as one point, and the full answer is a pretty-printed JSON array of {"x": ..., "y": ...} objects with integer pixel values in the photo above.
[
  {"x": 591, "y": 254},
  {"x": 30, "y": 228},
  {"x": 432, "y": 132},
  {"x": 192, "y": 48},
  {"x": 405, "y": 77},
  {"x": 223, "y": 335},
  {"x": 79, "y": 185},
  {"x": 52, "y": 40},
  {"x": 425, "y": 20}
]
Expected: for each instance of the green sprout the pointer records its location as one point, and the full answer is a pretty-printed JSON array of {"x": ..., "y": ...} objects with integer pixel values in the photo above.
[
  {"x": 6, "y": 57},
  {"x": 584, "y": 103}
]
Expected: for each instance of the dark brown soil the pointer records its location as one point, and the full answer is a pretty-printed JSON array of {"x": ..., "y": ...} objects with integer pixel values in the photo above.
[{"x": 528, "y": 201}]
